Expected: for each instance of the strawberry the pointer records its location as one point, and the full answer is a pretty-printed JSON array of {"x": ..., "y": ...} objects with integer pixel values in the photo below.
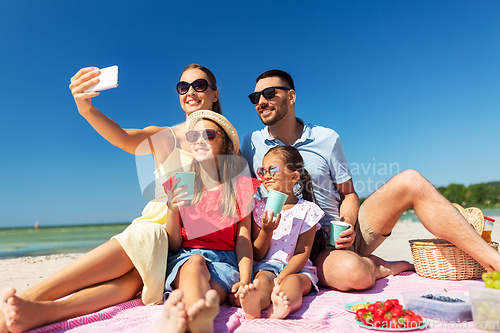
[
  {"x": 360, "y": 313},
  {"x": 410, "y": 322},
  {"x": 364, "y": 316},
  {"x": 378, "y": 312},
  {"x": 371, "y": 307},
  {"x": 395, "y": 323},
  {"x": 418, "y": 319},
  {"x": 395, "y": 302},
  {"x": 396, "y": 312},
  {"x": 379, "y": 322},
  {"x": 388, "y": 305}
]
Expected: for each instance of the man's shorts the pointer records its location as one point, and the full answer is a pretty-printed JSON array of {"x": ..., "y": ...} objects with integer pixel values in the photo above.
[{"x": 366, "y": 240}]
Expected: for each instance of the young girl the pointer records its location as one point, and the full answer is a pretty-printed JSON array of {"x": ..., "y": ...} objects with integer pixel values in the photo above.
[
  {"x": 282, "y": 246},
  {"x": 210, "y": 237}
]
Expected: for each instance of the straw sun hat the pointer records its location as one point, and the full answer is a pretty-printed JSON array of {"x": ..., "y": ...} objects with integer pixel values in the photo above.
[{"x": 220, "y": 120}]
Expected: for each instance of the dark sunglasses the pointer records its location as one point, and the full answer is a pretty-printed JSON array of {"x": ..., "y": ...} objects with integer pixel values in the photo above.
[
  {"x": 199, "y": 85},
  {"x": 273, "y": 170},
  {"x": 208, "y": 135},
  {"x": 268, "y": 93}
]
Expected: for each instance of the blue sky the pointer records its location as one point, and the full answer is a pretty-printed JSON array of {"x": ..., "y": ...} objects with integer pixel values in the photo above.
[{"x": 406, "y": 84}]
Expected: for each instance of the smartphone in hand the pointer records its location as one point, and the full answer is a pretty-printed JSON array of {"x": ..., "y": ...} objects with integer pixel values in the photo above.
[{"x": 108, "y": 79}]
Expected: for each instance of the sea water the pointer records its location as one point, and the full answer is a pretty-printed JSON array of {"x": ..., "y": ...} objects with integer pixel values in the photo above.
[
  {"x": 20, "y": 242},
  {"x": 493, "y": 213}
]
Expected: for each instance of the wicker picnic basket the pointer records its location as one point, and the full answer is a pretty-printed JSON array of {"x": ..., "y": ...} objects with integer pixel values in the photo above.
[{"x": 439, "y": 259}]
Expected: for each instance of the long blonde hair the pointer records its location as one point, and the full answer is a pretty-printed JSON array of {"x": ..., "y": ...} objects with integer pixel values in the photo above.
[{"x": 228, "y": 168}]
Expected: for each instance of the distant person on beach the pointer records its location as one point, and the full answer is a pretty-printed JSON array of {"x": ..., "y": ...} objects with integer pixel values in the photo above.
[
  {"x": 283, "y": 272},
  {"x": 353, "y": 268},
  {"x": 135, "y": 260},
  {"x": 209, "y": 238}
]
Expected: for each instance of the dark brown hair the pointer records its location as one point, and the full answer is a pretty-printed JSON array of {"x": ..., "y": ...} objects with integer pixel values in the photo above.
[
  {"x": 211, "y": 79},
  {"x": 293, "y": 161},
  {"x": 284, "y": 76}
]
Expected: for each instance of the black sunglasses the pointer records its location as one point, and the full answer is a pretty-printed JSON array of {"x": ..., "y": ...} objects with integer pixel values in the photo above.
[
  {"x": 199, "y": 85},
  {"x": 208, "y": 135},
  {"x": 268, "y": 93}
]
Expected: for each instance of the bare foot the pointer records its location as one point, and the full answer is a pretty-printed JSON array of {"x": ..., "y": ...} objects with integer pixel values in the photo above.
[
  {"x": 250, "y": 300},
  {"x": 281, "y": 304},
  {"x": 174, "y": 316},
  {"x": 202, "y": 313},
  {"x": 21, "y": 315},
  {"x": 385, "y": 268}
]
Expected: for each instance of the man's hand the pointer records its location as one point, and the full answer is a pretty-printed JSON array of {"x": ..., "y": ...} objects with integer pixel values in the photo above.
[{"x": 347, "y": 236}]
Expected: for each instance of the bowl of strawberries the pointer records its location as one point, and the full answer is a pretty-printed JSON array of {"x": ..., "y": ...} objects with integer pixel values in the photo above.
[{"x": 389, "y": 315}]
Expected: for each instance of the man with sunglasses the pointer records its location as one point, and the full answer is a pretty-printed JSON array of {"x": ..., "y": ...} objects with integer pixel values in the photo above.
[{"x": 354, "y": 268}]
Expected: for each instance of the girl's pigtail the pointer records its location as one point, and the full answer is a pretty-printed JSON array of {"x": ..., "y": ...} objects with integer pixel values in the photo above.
[
  {"x": 306, "y": 185},
  {"x": 319, "y": 243}
]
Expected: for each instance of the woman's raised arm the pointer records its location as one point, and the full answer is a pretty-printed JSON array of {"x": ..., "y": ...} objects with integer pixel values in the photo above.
[{"x": 126, "y": 139}]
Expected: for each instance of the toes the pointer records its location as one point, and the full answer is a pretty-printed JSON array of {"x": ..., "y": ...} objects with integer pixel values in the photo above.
[
  {"x": 195, "y": 308},
  {"x": 179, "y": 306},
  {"x": 212, "y": 297},
  {"x": 175, "y": 296},
  {"x": 8, "y": 293}
]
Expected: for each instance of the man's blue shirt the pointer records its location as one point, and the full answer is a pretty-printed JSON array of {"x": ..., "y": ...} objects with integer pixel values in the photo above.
[{"x": 323, "y": 156}]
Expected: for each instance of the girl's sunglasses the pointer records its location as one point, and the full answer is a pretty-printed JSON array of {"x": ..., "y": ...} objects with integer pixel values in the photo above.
[
  {"x": 208, "y": 135},
  {"x": 273, "y": 170},
  {"x": 199, "y": 85},
  {"x": 267, "y": 93}
]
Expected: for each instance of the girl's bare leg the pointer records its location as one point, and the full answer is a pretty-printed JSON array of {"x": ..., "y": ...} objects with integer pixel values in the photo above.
[
  {"x": 22, "y": 315},
  {"x": 202, "y": 303},
  {"x": 104, "y": 263},
  {"x": 173, "y": 318},
  {"x": 266, "y": 279},
  {"x": 201, "y": 314},
  {"x": 287, "y": 297},
  {"x": 193, "y": 280}
]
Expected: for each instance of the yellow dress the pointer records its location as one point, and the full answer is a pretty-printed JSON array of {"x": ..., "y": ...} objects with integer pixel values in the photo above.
[{"x": 146, "y": 243}]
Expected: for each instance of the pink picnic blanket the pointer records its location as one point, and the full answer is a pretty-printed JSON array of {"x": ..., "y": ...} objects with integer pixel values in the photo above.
[{"x": 321, "y": 313}]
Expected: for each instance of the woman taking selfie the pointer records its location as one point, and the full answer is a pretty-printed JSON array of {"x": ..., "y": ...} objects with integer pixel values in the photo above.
[{"x": 134, "y": 260}]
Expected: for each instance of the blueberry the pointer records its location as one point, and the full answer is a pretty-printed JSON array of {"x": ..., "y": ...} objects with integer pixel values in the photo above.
[{"x": 442, "y": 298}]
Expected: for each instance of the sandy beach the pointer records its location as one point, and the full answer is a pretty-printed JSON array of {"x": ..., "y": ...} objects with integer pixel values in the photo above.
[{"x": 22, "y": 273}]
